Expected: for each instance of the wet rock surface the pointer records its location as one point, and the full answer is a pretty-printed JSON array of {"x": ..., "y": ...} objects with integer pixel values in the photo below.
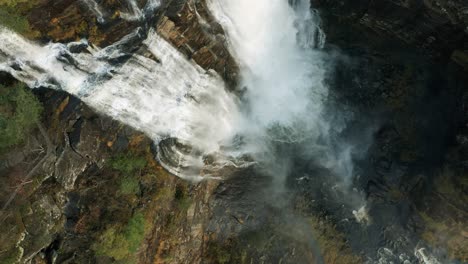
[
  {"x": 190, "y": 27},
  {"x": 434, "y": 26},
  {"x": 410, "y": 95},
  {"x": 400, "y": 74}
]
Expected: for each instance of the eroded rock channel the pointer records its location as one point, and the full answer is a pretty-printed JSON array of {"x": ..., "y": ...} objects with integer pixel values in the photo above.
[{"x": 217, "y": 131}]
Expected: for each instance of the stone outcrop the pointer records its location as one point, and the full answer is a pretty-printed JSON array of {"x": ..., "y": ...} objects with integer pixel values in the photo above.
[
  {"x": 402, "y": 74},
  {"x": 187, "y": 24},
  {"x": 437, "y": 27},
  {"x": 190, "y": 27},
  {"x": 402, "y": 66}
]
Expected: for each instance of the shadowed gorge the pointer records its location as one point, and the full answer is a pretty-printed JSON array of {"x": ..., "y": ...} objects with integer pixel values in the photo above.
[{"x": 222, "y": 131}]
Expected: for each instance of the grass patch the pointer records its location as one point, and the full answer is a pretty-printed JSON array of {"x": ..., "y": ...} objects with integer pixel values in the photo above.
[
  {"x": 128, "y": 163},
  {"x": 122, "y": 243},
  {"x": 12, "y": 16},
  {"x": 182, "y": 198},
  {"x": 221, "y": 254},
  {"x": 19, "y": 112},
  {"x": 332, "y": 243},
  {"x": 135, "y": 232},
  {"x": 129, "y": 185}
]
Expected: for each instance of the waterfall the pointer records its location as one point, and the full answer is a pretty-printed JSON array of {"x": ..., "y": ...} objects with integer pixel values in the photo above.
[
  {"x": 278, "y": 45},
  {"x": 135, "y": 13},
  {"x": 282, "y": 73},
  {"x": 96, "y": 9},
  {"x": 165, "y": 97},
  {"x": 186, "y": 110}
]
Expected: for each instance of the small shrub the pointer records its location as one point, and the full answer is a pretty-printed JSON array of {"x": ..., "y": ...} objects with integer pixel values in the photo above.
[
  {"x": 122, "y": 243},
  {"x": 12, "y": 16},
  {"x": 128, "y": 163},
  {"x": 113, "y": 244},
  {"x": 184, "y": 204},
  {"x": 129, "y": 185},
  {"x": 182, "y": 198},
  {"x": 19, "y": 112},
  {"x": 135, "y": 232}
]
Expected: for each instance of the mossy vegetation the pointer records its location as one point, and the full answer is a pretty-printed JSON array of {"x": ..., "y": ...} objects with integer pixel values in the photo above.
[
  {"x": 182, "y": 198},
  {"x": 19, "y": 112},
  {"x": 12, "y": 3},
  {"x": 332, "y": 243},
  {"x": 445, "y": 222},
  {"x": 121, "y": 243},
  {"x": 219, "y": 253},
  {"x": 129, "y": 185},
  {"x": 128, "y": 163},
  {"x": 12, "y": 16}
]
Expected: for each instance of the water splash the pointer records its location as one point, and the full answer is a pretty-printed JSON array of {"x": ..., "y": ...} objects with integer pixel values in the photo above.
[
  {"x": 96, "y": 9},
  {"x": 279, "y": 48},
  {"x": 163, "y": 95},
  {"x": 134, "y": 14},
  {"x": 425, "y": 257}
]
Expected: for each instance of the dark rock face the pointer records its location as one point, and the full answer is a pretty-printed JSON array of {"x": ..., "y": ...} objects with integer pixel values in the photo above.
[
  {"x": 190, "y": 27},
  {"x": 438, "y": 28},
  {"x": 77, "y": 207},
  {"x": 400, "y": 66}
]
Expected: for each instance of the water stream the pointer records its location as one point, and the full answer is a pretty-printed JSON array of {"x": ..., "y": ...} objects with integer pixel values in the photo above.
[
  {"x": 173, "y": 100},
  {"x": 198, "y": 126}
]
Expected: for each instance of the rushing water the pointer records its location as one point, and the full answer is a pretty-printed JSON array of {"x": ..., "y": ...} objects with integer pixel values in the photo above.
[
  {"x": 185, "y": 109},
  {"x": 198, "y": 126},
  {"x": 169, "y": 97},
  {"x": 281, "y": 71},
  {"x": 278, "y": 45}
]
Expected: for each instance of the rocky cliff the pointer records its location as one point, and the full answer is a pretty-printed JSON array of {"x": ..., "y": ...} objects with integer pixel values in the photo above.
[
  {"x": 82, "y": 188},
  {"x": 405, "y": 69}
]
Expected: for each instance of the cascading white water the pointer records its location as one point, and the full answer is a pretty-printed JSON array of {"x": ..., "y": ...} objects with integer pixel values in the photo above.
[
  {"x": 282, "y": 73},
  {"x": 172, "y": 100},
  {"x": 135, "y": 11},
  {"x": 278, "y": 46},
  {"x": 166, "y": 97},
  {"x": 94, "y": 7}
]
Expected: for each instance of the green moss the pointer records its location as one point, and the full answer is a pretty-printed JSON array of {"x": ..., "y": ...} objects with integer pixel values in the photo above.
[
  {"x": 332, "y": 243},
  {"x": 112, "y": 243},
  {"x": 182, "y": 198},
  {"x": 129, "y": 185},
  {"x": 219, "y": 253},
  {"x": 19, "y": 112},
  {"x": 122, "y": 243},
  {"x": 12, "y": 258},
  {"x": 128, "y": 163},
  {"x": 12, "y": 3},
  {"x": 12, "y": 15},
  {"x": 14, "y": 22},
  {"x": 135, "y": 232},
  {"x": 184, "y": 204}
]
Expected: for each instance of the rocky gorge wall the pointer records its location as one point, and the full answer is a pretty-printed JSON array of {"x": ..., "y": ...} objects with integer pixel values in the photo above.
[
  {"x": 404, "y": 68},
  {"x": 82, "y": 188}
]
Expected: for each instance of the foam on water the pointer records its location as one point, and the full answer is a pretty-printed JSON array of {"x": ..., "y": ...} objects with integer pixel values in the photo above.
[
  {"x": 96, "y": 9},
  {"x": 166, "y": 97},
  {"x": 281, "y": 71},
  {"x": 277, "y": 45},
  {"x": 135, "y": 13}
]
